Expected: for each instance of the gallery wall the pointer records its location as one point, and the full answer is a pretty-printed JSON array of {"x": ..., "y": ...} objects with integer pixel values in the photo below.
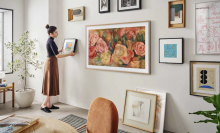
[
  {"x": 80, "y": 86},
  {"x": 17, "y": 6}
]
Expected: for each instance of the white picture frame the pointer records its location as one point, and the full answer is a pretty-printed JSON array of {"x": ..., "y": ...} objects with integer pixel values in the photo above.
[{"x": 160, "y": 109}]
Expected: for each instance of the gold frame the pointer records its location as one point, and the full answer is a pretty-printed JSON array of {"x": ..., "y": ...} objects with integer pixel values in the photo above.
[
  {"x": 191, "y": 76},
  {"x": 149, "y": 47},
  {"x": 182, "y": 25},
  {"x": 70, "y": 18},
  {"x": 154, "y": 110}
]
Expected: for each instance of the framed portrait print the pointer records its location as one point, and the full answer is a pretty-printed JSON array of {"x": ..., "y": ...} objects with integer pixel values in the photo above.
[
  {"x": 69, "y": 45},
  {"x": 171, "y": 50},
  {"x": 160, "y": 108},
  {"x": 76, "y": 14},
  {"x": 123, "y": 47},
  {"x": 207, "y": 28},
  {"x": 204, "y": 78},
  {"x": 104, "y": 6},
  {"x": 176, "y": 14},
  {"x": 128, "y": 5},
  {"x": 140, "y": 110}
]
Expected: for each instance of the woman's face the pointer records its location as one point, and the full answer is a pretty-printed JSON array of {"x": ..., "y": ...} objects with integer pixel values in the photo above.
[{"x": 55, "y": 34}]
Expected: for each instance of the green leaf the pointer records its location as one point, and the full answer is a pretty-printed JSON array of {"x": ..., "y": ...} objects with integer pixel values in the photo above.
[{"x": 207, "y": 121}]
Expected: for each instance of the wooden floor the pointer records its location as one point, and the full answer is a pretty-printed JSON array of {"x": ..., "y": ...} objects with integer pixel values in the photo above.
[{"x": 6, "y": 109}]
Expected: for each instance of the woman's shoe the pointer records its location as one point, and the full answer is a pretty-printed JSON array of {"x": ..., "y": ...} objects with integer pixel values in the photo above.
[
  {"x": 54, "y": 107},
  {"x": 45, "y": 109}
]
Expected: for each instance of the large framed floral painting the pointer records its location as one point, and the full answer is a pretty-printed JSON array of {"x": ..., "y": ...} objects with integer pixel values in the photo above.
[{"x": 121, "y": 47}]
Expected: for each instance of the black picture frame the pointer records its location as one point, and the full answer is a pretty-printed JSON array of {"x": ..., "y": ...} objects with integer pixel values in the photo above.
[
  {"x": 76, "y": 40},
  {"x": 182, "y": 51},
  {"x": 108, "y": 7},
  {"x": 12, "y": 34},
  {"x": 191, "y": 78},
  {"x": 139, "y": 8}
]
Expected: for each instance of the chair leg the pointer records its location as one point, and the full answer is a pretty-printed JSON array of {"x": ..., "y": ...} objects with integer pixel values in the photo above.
[
  {"x": 13, "y": 94},
  {"x": 3, "y": 96}
]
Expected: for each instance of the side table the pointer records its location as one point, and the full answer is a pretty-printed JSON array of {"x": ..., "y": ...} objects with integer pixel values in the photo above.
[{"x": 9, "y": 87}]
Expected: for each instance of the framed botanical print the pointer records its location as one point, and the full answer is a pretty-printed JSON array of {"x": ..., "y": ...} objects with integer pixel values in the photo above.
[
  {"x": 171, "y": 50},
  {"x": 127, "y": 5},
  {"x": 123, "y": 47},
  {"x": 207, "y": 28},
  {"x": 204, "y": 78},
  {"x": 69, "y": 45},
  {"x": 176, "y": 14},
  {"x": 140, "y": 110},
  {"x": 104, "y": 6}
]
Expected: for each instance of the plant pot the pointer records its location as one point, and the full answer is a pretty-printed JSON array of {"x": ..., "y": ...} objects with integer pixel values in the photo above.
[{"x": 25, "y": 98}]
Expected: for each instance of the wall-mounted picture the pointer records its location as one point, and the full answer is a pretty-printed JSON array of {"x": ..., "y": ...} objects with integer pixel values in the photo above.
[
  {"x": 207, "y": 28},
  {"x": 121, "y": 47},
  {"x": 176, "y": 14},
  {"x": 160, "y": 108},
  {"x": 204, "y": 78},
  {"x": 104, "y": 6},
  {"x": 76, "y": 14},
  {"x": 69, "y": 45},
  {"x": 140, "y": 110},
  {"x": 127, "y": 5},
  {"x": 171, "y": 50}
]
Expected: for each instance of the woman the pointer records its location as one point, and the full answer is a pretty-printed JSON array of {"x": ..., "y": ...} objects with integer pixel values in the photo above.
[{"x": 50, "y": 85}]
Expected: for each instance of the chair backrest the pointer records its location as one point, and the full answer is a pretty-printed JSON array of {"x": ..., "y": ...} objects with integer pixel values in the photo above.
[{"x": 102, "y": 117}]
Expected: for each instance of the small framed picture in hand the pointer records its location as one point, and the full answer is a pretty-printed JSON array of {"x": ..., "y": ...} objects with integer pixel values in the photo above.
[{"x": 69, "y": 45}]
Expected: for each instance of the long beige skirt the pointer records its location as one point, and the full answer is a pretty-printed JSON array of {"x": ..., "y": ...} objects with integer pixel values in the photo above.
[{"x": 50, "y": 85}]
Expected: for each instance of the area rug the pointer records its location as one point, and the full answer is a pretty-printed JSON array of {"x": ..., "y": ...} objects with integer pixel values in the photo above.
[{"x": 76, "y": 122}]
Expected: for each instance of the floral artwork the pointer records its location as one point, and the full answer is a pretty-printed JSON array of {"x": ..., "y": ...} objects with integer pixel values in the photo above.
[
  {"x": 117, "y": 47},
  {"x": 68, "y": 46}
]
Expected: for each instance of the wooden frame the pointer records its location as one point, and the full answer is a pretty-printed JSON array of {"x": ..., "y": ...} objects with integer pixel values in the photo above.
[
  {"x": 182, "y": 51},
  {"x": 129, "y": 9},
  {"x": 154, "y": 110},
  {"x": 181, "y": 25},
  {"x": 191, "y": 76},
  {"x": 149, "y": 47},
  {"x": 70, "y": 14},
  {"x": 6, "y": 89},
  {"x": 104, "y": 11}
]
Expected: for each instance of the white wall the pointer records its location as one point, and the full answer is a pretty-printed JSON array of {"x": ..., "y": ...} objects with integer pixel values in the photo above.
[
  {"x": 80, "y": 86},
  {"x": 18, "y": 27}
]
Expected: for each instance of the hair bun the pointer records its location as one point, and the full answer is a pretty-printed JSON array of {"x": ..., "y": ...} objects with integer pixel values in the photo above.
[{"x": 47, "y": 26}]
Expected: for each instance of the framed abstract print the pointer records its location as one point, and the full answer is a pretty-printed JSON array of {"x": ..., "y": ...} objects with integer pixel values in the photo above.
[
  {"x": 171, "y": 50},
  {"x": 140, "y": 110},
  {"x": 207, "y": 28},
  {"x": 104, "y": 6},
  {"x": 176, "y": 14},
  {"x": 69, "y": 45},
  {"x": 76, "y": 14},
  {"x": 123, "y": 47},
  {"x": 204, "y": 78},
  {"x": 160, "y": 108},
  {"x": 128, "y": 5}
]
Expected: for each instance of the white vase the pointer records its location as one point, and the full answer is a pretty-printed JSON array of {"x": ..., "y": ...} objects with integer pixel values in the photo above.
[{"x": 25, "y": 98}]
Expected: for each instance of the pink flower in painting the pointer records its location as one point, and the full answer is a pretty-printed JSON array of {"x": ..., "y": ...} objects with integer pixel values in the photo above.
[
  {"x": 130, "y": 35},
  {"x": 101, "y": 46},
  {"x": 122, "y": 32},
  {"x": 126, "y": 59},
  {"x": 92, "y": 52},
  {"x": 139, "y": 48},
  {"x": 94, "y": 37}
]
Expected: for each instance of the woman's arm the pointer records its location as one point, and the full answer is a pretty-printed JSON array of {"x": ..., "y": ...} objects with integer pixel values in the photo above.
[
  {"x": 65, "y": 55},
  {"x": 61, "y": 50}
]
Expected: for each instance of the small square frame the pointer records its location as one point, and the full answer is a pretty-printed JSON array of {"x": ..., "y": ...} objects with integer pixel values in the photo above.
[{"x": 108, "y": 7}]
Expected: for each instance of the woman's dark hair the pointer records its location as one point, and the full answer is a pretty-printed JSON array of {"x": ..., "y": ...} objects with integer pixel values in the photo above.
[{"x": 50, "y": 29}]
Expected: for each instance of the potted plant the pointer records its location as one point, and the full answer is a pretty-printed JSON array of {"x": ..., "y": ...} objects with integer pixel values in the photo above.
[
  {"x": 25, "y": 57},
  {"x": 213, "y": 115}
]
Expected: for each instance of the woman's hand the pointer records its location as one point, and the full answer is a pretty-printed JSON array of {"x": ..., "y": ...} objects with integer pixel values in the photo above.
[
  {"x": 71, "y": 53},
  {"x": 61, "y": 50}
]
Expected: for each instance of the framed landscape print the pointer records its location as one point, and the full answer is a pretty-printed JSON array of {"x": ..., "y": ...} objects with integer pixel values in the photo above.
[
  {"x": 207, "y": 28},
  {"x": 76, "y": 14},
  {"x": 127, "y": 5},
  {"x": 121, "y": 47},
  {"x": 204, "y": 78},
  {"x": 176, "y": 14},
  {"x": 104, "y": 6},
  {"x": 171, "y": 50},
  {"x": 69, "y": 45},
  {"x": 139, "y": 110},
  {"x": 160, "y": 108}
]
